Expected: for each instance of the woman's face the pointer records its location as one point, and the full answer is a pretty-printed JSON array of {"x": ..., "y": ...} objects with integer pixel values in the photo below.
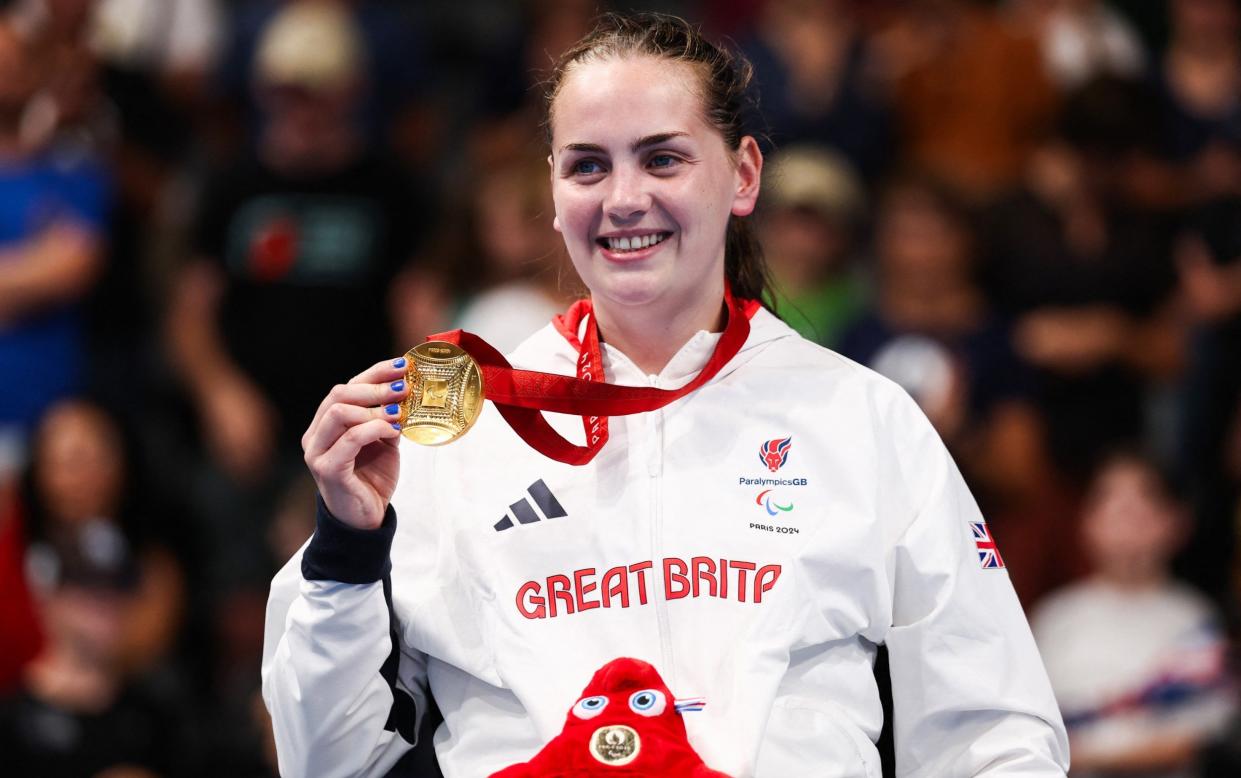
[
  {"x": 644, "y": 186},
  {"x": 80, "y": 463}
]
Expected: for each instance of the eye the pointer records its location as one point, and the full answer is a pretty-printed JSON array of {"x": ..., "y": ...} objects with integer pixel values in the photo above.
[
  {"x": 648, "y": 702},
  {"x": 587, "y": 167},
  {"x": 664, "y": 161},
  {"x": 589, "y": 707}
]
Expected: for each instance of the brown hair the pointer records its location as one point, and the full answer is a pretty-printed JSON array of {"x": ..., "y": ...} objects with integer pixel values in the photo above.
[{"x": 726, "y": 99}]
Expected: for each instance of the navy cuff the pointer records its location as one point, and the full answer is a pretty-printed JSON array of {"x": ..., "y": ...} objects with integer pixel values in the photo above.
[{"x": 338, "y": 552}]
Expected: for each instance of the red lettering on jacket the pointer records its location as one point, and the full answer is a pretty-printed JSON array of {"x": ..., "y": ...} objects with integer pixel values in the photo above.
[
  {"x": 616, "y": 584},
  {"x": 680, "y": 579},
  {"x": 559, "y": 587},
  {"x": 702, "y": 576},
  {"x": 584, "y": 588},
  {"x": 704, "y": 570},
  {"x": 639, "y": 569},
  {"x": 741, "y": 568},
  {"x": 765, "y": 580},
  {"x": 529, "y": 595}
]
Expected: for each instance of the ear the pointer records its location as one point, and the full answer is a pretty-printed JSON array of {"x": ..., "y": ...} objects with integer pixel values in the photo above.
[
  {"x": 749, "y": 175},
  {"x": 551, "y": 170}
]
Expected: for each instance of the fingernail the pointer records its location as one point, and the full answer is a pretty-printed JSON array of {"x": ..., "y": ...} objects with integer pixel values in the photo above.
[
  {"x": 392, "y": 409},
  {"x": 398, "y": 386},
  {"x": 398, "y": 362},
  {"x": 396, "y": 426}
]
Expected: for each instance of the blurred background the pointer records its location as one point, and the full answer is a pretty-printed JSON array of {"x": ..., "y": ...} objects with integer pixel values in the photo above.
[{"x": 1027, "y": 212}]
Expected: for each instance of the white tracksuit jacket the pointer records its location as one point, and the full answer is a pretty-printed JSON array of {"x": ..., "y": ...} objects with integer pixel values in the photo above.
[{"x": 514, "y": 577}]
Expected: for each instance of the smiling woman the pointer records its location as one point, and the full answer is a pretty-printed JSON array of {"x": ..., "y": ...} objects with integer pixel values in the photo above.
[
  {"x": 753, "y": 540},
  {"x": 647, "y": 197}
]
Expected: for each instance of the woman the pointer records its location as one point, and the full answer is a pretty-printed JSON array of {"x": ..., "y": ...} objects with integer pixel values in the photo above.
[{"x": 755, "y": 540}]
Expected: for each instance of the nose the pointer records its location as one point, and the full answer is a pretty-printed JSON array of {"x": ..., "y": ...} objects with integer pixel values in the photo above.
[{"x": 627, "y": 198}]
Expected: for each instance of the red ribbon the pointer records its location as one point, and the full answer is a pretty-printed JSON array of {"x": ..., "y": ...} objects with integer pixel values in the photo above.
[{"x": 522, "y": 395}]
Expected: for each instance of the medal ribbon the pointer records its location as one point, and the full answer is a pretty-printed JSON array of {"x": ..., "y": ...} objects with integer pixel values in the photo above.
[{"x": 522, "y": 395}]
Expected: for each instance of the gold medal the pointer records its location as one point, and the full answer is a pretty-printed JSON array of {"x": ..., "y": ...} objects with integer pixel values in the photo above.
[
  {"x": 615, "y": 745},
  {"x": 445, "y": 395}
]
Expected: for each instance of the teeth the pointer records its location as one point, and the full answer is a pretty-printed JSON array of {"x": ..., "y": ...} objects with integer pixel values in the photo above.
[{"x": 634, "y": 243}]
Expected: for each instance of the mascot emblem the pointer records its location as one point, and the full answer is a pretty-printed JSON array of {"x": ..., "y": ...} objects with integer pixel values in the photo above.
[{"x": 626, "y": 724}]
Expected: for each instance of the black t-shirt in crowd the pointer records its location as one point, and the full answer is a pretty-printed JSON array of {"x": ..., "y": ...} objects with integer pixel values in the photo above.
[
  {"x": 308, "y": 262},
  {"x": 38, "y": 739},
  {"x": 1031, "y": 267}
]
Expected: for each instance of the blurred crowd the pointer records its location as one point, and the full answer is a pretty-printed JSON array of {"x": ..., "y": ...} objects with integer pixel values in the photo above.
[{"x": 1026, "y": 212}]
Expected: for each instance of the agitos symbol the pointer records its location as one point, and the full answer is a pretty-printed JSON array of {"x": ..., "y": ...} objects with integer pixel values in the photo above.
[{"x": 770, "y": 503}]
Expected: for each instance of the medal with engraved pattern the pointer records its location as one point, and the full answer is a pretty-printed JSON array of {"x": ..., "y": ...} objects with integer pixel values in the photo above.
[
  {"x": 446, "y": 393},
  {"x": 615, "y": 745}
]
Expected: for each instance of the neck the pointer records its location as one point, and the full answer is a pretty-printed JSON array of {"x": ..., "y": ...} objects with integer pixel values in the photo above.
[
  {"x": 1132, "y": 578},
  {"x": 651, "y": 340}
]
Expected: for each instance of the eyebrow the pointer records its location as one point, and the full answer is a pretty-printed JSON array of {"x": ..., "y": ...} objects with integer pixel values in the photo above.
[{"x": 640, "y": 143}]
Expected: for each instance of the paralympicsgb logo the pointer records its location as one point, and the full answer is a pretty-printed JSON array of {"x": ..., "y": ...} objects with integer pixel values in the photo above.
[{"x": 775, "y": 453}]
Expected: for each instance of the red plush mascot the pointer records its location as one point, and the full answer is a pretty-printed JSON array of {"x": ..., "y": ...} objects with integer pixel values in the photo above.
[{"x": 625, "y": 724}]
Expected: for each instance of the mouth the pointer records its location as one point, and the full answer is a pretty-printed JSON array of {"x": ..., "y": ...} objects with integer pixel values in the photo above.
[{"x": 632, "y": 244}]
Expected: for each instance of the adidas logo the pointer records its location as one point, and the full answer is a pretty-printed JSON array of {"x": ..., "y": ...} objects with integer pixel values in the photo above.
[{"x": 524, "y": 511}]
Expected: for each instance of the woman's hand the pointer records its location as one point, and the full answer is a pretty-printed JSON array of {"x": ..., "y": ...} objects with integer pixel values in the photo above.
[{"x": 350, "y": 446}]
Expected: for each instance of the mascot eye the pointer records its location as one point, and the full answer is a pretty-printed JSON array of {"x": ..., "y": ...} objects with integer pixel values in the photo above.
[
  {"x": 648, "y": 702},
  {"x": 590, "y": 707}
]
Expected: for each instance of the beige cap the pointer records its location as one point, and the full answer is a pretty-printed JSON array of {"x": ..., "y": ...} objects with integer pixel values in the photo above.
[
  {"x": 809, "y": 176},
  {"x": 313, "y": 44}
]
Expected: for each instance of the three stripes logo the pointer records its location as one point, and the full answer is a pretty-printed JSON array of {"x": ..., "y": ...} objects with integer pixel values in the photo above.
[{"x": 524, "y": 512}]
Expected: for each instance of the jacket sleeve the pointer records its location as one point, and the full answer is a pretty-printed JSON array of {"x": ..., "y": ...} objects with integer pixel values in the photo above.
[
  {"x": 970, "y": 694},
  {"x": 344, "y": 694}
]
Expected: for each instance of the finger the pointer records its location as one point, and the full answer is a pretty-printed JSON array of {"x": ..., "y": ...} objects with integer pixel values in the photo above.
[
  {"x": 386, "y": 372},
  {"x": 338, "y": 419},
  {"x": 381, "y": 372},
  {"x": 360, "y": 394},
  {"x": 341, "y": 456}
]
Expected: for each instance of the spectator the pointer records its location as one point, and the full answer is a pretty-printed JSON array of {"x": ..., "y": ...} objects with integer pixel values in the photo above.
[
  {"x": 308, "y": 234},
  {"x": 817, "y": 80},
  {"x": 1137, "y": 660},
  {"x": 76, "y": 714},
  {"x": 929, "y": 309},
  {"x": 52, "y": 217},
  {"x": 1200, "y": 82},
  {"x": 298, "y": 271},
  {"x": 1085, "y": 271},
  {"x": 388, "y": 47},
  {"x": 1209, "y": 266},
  {"x": 809, "y": 226},
  {"x": 970, "y": 93},
  {"x": 932, "y": 330},
  {"x": 82, "y": 475}
]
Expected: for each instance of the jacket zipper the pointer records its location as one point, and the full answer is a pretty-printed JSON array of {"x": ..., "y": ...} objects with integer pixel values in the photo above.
[{"x": 655, "y": 469}]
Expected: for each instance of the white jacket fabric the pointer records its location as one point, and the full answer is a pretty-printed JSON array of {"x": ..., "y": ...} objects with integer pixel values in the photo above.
[{"x": 762, "y": 587}]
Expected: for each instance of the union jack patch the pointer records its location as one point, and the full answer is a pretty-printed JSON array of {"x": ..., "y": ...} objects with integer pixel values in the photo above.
[{"x": 988, "y": 553}]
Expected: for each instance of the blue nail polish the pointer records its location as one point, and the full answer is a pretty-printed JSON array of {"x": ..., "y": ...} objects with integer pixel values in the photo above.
[
  {"x": 398, "y": 386},
  {"x": 392, "y": 409},
  {"x": 398, "y": 362},
  {"x": 396, "y": 426}
]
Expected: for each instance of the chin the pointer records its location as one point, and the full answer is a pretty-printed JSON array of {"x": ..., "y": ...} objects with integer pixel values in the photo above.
[{"x": 630, "y": 289}]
